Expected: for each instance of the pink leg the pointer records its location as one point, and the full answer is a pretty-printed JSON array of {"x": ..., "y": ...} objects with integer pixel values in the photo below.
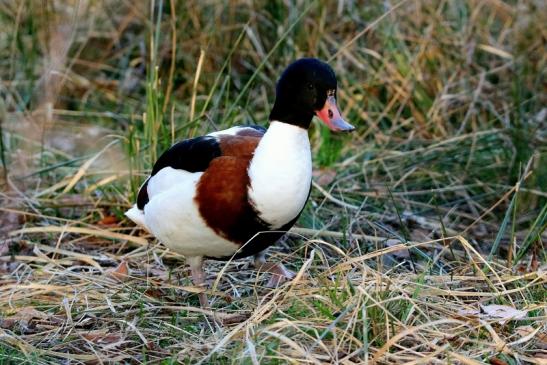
[
  {"x": 198, "y": 277},
  {"x": 280, "y": 273}
]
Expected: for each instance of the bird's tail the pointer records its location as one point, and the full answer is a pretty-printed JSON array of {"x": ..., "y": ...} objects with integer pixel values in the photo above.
[{"x": 137, "y": 216}]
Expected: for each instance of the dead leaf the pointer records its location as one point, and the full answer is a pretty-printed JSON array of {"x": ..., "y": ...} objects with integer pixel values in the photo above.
[
  {"x": 4, "y": 248},
  {"x": 420, "y": 234},
  {"x": 121, "y": 272},
  {"x": 541, "y": 358},
  {"x": 154, "y": 293},
  {"x": 503, "y": 312},
  {"x": 402, "y": 253},
  {"x": 8, "y": 222},
  {"x": 108, "y": 220},
  {"x": 324, "y": 176},
  {"x": 540, "y": 337},
  {"x": 23, "y": 317},
  {"x": 498, "y": 313},
  {"x": 102, "y": 337},
  {"x": 157, "y": 272},
  {"x": 497, "y": 361},
  {"x": 469, "y": 312}
]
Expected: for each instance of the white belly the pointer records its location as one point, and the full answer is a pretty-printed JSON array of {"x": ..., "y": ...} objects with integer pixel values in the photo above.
[{"x": 173, "y": 216}]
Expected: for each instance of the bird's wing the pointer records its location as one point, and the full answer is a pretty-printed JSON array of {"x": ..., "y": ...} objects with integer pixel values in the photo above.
[{"x": 195, "y": 154}]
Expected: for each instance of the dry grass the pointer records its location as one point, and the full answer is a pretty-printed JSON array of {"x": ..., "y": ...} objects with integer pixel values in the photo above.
[{"x": 423, "y": 241}]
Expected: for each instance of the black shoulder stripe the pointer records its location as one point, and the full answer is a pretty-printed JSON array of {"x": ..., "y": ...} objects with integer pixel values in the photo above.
[
  {"x": 142, "y": 197},
  {"x": 192, "y": 155}
]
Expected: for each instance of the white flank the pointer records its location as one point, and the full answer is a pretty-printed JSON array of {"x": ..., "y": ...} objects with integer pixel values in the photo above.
[
  {"x": 280, "y": 173},
  {"x": 173, "y": 216},
  {"x": 136, "y": 215},
  {"x": 168, "y": 178}
]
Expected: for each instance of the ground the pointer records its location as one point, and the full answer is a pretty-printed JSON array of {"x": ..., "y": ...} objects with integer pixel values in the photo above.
[{"x": 423, "y": 239}]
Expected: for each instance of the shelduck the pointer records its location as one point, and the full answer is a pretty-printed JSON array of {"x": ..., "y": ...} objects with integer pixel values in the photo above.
[{"x": 233, "y": 193}]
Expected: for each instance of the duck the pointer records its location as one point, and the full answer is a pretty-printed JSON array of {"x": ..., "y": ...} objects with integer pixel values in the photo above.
[{"x": 233, "y": 193}]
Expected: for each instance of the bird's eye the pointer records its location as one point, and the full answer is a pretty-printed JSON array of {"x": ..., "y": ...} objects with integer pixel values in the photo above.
[{"x": 310, "y": 86}]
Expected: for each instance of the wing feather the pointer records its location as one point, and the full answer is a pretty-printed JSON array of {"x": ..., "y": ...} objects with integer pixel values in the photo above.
[{"x": 195, "y": 154}]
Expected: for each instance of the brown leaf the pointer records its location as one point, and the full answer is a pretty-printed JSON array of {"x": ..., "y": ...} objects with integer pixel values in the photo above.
[
  {"x": 109, "y": 220},
  {"x": 540, "y": 337},
  {"x": 102, "y": 337},
  {"x": 9, "y": 221},
  {"x": 499, "y": 313},
  {"x": 503, "y": 312},
  {"x": 420, "y": 234},
  {"x": 402, "y": 253},
  {"x": 324, "y": 176},
  {"x": 121, "y": 272},
  {"x": 23, "y": 317},
  {"x": 157, "y": 272},
  {"x": 4, "y": 248},
  {"x": 497, "y": 361}
]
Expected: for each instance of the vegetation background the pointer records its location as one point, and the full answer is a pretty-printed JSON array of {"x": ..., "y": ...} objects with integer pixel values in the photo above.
[{"x": 423, "y": 241}]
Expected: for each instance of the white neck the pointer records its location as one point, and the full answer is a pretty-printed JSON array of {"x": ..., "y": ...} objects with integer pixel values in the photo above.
[{"x": 280, "y": 173}]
